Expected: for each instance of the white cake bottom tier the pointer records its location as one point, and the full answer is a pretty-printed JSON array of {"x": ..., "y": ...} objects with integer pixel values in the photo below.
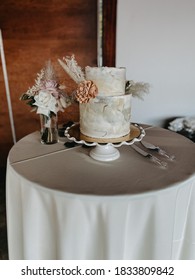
[{"x": 106, "y": 117}]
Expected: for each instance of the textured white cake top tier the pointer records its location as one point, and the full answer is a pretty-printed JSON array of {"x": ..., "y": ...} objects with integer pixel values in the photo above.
[{"x": 109, "y": 80}]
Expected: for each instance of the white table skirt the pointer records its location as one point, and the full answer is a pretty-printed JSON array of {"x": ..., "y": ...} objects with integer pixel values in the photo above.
[{"x": 57, "y": 208}]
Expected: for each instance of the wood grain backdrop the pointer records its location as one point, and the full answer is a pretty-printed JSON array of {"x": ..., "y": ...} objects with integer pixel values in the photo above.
[{"x": 35, "y": 31}]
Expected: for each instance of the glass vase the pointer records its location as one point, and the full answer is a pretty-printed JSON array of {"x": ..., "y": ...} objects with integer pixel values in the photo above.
[{"x": 49, "y": 129}]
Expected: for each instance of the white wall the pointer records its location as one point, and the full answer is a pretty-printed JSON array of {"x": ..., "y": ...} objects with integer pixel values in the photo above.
[{"x": 156, "y": 43}]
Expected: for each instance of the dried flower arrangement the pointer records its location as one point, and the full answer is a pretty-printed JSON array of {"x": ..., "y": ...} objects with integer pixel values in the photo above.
[
  {"x": 85, "y": 89},
  {"x": 137, "y": 89},
  {"x": 46, "y": 96}
]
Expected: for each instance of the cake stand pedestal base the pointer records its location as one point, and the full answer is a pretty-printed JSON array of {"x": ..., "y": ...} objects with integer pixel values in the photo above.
[{"x": 104, "y": 152}]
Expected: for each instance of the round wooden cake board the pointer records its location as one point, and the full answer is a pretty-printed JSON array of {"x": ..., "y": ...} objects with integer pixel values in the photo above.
[{"x": 74, "y": 131}]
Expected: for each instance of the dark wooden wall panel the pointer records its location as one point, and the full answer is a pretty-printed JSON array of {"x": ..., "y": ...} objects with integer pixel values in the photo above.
[
  {"x": 35, "y": 31},
  {"x": 109, "y": 32}
]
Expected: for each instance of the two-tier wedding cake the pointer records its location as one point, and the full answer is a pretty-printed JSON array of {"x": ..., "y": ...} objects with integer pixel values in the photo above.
[
  {"x": 104, "y": 100},
  {"x": 107, "y": 116}
]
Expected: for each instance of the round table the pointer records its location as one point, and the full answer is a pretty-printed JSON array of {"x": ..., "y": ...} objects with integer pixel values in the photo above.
[{"x": 62, "y": 204}]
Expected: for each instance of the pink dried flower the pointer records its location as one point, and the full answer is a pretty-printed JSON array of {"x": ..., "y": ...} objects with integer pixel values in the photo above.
[{"x": 51, "y": 86}]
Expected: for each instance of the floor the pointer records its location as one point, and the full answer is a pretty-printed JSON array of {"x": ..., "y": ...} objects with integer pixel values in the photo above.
[{"x": 3, "y": 226}]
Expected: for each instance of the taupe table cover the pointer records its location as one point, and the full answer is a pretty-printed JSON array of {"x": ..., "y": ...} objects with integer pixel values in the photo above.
[{"x": 62, "y": 204}]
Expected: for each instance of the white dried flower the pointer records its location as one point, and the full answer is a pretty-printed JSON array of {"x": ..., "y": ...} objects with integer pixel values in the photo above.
[
  {"x": 72, "y": 68},
  {"x": 137, "y": 89}
]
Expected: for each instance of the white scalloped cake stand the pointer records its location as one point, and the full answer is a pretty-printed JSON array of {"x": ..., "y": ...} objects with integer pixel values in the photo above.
[{"x": 105, "y": 151}]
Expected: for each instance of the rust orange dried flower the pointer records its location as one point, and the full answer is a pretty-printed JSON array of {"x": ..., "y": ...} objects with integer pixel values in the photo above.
[{"x": 85, "y": 91}]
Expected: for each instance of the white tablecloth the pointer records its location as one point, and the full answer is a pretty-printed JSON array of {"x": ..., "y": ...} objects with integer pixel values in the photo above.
[{"x": 62, "y": 204}]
